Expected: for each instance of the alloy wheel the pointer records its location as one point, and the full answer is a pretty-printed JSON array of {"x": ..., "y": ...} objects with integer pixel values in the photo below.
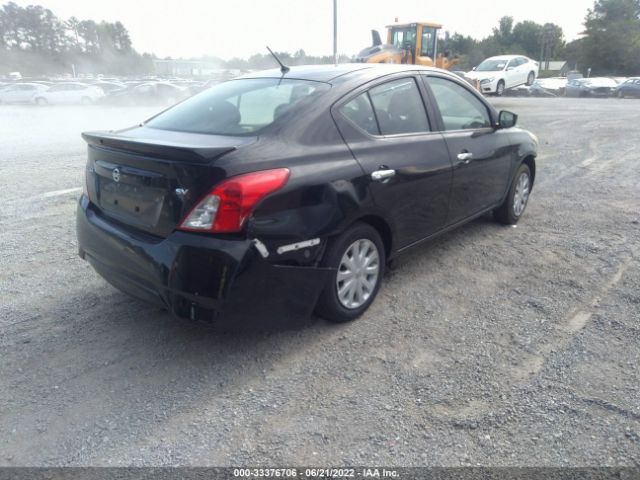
[
  {"x": 521, "y": 194},
  {"x": 358, "y": 273}
]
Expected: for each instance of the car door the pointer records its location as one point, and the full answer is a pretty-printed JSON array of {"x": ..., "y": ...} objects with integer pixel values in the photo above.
[
  {"x": 74, "y": 93},
  {"x": 11, "y": 94},
  {"x": 481, "y": 154},
  {"x": 406, "y": 163},
  {"x": 24, "y": 93},
  {"x": 511, "y": 74},
  {"x": 56, "y": 93},
  {"x": 522, "y": 68}
]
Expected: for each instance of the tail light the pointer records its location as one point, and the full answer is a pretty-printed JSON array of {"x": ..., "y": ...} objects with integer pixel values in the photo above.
[{"x": 230, "y": 203}]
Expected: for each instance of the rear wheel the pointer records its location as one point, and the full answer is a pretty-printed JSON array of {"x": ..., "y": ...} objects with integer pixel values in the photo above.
[
  {"x": 357, "y": 258},
  {"x": 531, "y": 78},
  {"x": 500, "y": 88},
  {"x": 514, "y": 205}
]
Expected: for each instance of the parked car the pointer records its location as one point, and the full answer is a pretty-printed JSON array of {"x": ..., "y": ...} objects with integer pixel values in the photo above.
[
  {"x": 591, "y": 87},
  {"x": 110, "y": 86},
  {"x": 20, "y": 92},
  {"x": 192, "y": 86},
  {"x": 69, "y": 93},
  {"x": 555, "y": 85},
  {"x": 629, "y": 88},
  {"x": 278, "y": 193},
  {"x": 148, "y": 93},
  {"x": 496, "y": 74}
]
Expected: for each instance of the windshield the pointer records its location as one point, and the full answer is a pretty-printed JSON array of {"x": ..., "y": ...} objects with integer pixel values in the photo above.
[
  {"x": 492, "y": 65},
  {"x": 239, "y": 107}
]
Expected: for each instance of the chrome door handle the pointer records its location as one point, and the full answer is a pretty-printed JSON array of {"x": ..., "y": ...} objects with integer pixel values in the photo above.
[
  {"x": 382, "y": 175},
  {"x": 465, "y": 157}
]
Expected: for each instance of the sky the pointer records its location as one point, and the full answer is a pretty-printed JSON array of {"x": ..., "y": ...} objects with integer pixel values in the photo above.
[{"x": 240, "y": 28}]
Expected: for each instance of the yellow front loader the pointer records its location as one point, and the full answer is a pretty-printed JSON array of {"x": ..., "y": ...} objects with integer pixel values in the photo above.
[{"x": 411, "y": 43}]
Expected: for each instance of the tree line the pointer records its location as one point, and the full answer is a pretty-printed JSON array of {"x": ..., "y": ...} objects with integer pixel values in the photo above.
[
  {"x": 34, "y": 41},
  {"x": 609, "y": 45}
]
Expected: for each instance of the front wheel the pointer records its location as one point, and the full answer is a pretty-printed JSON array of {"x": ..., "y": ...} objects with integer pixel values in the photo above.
[
  {"x": 514, "y": 205},
  {"x": 357, "y": 260},
  {"x": 500, "y": 88}
]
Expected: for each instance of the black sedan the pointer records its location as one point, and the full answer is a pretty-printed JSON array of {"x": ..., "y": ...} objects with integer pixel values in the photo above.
[
  {"x": 590, "y": 87},
  {"x": 280, "y": 193}
]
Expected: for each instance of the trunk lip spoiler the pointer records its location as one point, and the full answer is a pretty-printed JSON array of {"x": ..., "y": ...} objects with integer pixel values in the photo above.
[{"x": 164, "y": 149}]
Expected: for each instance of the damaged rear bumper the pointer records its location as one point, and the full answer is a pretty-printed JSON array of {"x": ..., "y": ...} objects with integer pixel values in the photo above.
[{"x": 198, "y": 277}]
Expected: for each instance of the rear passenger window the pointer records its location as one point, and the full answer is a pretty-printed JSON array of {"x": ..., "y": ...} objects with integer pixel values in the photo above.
[
  {"x": 460, "y": 109},
  {"x": 360, "y": 112},
  {"x": 399, "y": 108}
]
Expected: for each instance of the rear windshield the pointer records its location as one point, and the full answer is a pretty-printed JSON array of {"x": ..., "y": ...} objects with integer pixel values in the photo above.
[{"x": 239, "y": 107}]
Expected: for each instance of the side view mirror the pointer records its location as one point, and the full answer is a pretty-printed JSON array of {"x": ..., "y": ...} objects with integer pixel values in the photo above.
[{"x": 507, "y": 119}]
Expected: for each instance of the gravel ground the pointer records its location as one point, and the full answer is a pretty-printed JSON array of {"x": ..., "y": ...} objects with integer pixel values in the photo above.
[{"x": 490, "y": 346}]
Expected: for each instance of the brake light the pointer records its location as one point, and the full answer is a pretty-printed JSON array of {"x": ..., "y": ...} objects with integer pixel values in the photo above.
[{"x": 230, "y": 203}]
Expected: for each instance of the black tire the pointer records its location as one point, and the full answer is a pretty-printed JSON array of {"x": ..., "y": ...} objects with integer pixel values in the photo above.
[
  {"x": 500, "y": 88},
  {"x": 531, "y": 78},
  {"x": 329, "y": 305},
  {"x": 506, "y": 213}
]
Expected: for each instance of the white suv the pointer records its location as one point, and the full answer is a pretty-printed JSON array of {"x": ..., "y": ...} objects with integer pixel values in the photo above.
[{"x": 496, "y": 74}]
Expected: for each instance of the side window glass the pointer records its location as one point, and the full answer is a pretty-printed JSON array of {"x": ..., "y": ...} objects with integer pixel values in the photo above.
[
  {"x": 460, "y": 109},
  {"x": 399, "y": 108},
  {"x": 360, "y": 112}
]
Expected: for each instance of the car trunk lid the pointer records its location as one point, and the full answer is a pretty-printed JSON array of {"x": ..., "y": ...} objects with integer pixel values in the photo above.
[{"x": 148, "y": 179}]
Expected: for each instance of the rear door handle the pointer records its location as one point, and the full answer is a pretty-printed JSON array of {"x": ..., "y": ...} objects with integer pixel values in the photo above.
[
  {"x": 465, "y": 157},
  {"x": 382, "y": 175}
]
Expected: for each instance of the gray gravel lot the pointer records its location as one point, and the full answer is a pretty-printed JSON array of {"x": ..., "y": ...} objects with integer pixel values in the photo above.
[{"x": 490, "y": 346}]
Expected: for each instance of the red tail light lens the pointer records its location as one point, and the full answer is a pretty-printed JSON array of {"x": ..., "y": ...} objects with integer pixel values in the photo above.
[{"x": 230, "y": 203}]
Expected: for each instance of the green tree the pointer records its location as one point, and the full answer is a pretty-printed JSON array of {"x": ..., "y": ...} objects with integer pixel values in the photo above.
[
  {"x": 612, "y": 37},
  {"x": 504, "y": 33},
  {"x": 527, "y": 35}
]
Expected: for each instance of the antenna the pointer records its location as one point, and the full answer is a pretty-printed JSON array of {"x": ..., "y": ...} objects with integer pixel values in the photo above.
[{"x": 283, "y": 68}]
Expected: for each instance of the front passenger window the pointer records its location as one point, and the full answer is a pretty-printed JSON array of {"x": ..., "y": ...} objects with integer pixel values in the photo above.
[{"x": 460, "y": 109}]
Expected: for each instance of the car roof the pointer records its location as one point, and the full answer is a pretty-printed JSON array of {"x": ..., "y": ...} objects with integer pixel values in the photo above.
[
  {"x": 505, "y": 57},
  {"x": 331, "y": 73}
]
